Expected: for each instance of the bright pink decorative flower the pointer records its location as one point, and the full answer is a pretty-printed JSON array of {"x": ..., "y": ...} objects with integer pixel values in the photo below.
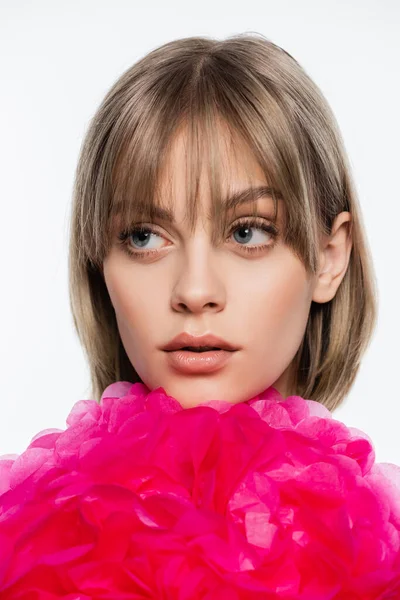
[{"x": 139, "y": 498}]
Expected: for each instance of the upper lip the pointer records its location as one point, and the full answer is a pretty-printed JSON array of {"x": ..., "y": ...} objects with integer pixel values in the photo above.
[{"x": 185, "y": 339}]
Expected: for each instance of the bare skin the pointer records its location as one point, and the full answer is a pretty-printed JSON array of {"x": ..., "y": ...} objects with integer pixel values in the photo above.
[{"x": 259, "y": 302}]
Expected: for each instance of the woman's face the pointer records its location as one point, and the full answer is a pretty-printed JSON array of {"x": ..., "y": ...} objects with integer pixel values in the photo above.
[{"x": 257, "y": 301}]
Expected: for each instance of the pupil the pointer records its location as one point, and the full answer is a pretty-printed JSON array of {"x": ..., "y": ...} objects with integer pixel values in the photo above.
[
  {"x": 141, "y": 234},
  {"x": 242, "y": 238}
]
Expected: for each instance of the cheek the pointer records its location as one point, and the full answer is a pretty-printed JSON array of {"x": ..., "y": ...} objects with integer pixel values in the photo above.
[
  {"x": 278, "y": 305},
  {"x": 135, "y": 298},
  {"x": 121, "y": 288}
]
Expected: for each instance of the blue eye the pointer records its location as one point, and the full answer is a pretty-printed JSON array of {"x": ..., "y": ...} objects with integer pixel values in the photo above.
[
  {"x": 142, "y": 236},
  {"x": 245, "y": 224}
]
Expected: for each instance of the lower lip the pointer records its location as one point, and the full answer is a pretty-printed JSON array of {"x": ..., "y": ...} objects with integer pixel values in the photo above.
[{"x": 198, "y": 362}]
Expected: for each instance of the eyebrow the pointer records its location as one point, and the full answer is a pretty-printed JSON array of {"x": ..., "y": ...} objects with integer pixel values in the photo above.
[{"x": 236, "y": 199}]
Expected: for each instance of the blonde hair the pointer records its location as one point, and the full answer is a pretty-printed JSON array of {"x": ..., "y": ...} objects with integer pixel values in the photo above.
[{"x": 263, "y": 95}]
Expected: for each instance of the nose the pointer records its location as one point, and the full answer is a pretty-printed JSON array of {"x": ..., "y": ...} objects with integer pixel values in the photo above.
[{"x": 199, "y": 286}]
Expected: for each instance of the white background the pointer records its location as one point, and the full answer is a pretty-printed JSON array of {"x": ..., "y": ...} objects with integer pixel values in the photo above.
[{"x": 58, "y": 59}]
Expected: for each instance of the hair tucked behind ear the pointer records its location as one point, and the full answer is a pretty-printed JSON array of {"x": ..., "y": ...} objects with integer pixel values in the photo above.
[{"x": 265, "y": 97}]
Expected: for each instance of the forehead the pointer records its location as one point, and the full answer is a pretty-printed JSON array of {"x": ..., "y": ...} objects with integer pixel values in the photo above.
[
  {"x": 226, "y": 152},
  {"x": 229, "y": 150},
  {"x": 241, "y": 178}
]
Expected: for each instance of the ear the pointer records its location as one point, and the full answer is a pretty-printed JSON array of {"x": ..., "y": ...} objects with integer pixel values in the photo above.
[{"x": 334, "y": 258}]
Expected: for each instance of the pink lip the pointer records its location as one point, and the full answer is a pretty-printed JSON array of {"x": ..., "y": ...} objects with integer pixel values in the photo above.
[
  {"x": 185, "y": 339},
  {"x": 188, "y": 362}
]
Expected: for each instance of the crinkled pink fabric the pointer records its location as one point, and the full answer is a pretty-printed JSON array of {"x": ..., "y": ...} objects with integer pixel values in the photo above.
[{"x": 141, "y": 499}]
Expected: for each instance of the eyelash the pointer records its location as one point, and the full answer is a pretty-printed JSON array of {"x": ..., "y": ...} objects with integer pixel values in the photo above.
[{"x": 249, "y": 222}]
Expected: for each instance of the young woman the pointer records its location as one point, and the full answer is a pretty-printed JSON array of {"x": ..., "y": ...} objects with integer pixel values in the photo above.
[{"x": 222, "y": 288}]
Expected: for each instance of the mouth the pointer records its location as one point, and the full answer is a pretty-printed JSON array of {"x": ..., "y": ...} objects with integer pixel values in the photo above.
[
  {"x": 205, "y": 343},
  {"x": 198, "y": 349}
]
